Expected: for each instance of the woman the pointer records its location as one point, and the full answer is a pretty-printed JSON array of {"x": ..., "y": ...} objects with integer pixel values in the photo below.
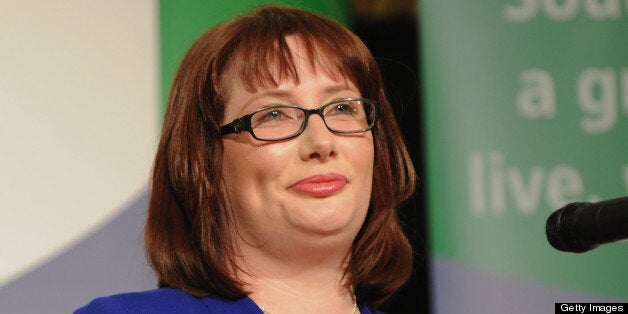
[{"x": 278, "y": 176}]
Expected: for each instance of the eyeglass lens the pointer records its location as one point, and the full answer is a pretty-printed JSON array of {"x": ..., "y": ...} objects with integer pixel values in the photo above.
[{"x": 349, "y": 116}]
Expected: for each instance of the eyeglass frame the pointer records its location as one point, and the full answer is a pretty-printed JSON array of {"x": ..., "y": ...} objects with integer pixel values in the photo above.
[{"x": 243, "y": 123}]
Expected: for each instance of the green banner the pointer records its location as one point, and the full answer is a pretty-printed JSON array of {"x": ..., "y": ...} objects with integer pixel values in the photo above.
[{"x": 526, "y": 111}]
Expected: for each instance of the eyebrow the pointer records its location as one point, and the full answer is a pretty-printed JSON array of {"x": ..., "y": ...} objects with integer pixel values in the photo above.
[
  {"x": 334, "y": 89},
  {"x": 267, "y": 93},
  {"x": 282, "y": 93},
  {"x": 285, "y": 93}
]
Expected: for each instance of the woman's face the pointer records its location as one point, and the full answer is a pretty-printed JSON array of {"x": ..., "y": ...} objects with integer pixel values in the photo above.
[{"x": 314, "y": 186}]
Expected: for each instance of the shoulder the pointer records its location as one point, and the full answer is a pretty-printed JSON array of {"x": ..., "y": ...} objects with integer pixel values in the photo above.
[
  {"x": 166, "y": 300},
  {"x": 163, "y": 300},
  {"x": 366, "y": 310}
]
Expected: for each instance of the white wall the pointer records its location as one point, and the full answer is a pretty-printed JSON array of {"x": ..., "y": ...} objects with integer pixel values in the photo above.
[{"x": 79, "y": 114}]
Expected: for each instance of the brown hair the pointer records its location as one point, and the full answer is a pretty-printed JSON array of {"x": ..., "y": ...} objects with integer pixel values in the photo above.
[{"x": 190, "y": 231}]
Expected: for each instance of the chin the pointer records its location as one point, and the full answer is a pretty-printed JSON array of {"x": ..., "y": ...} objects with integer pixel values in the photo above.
[{"x": 331, "y": 222}]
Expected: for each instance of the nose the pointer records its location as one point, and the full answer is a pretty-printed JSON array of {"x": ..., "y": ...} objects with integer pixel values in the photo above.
[{"x": 317, "y": 142}]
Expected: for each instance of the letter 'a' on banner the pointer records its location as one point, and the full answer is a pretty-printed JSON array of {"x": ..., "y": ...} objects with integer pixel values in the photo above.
[{"x": 526, "y": 110}]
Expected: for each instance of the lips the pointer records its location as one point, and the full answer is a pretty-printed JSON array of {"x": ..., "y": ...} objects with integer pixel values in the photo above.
[{"x": 320, "y": 185}]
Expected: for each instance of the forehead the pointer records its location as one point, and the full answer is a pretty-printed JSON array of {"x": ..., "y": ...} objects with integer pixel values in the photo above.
[
  {"x": 291, "y": 60},
  {"x": 280, "y": 61}
]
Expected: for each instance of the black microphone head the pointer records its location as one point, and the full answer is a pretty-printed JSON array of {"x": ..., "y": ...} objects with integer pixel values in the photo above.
[{"x": 560, "y": 230}]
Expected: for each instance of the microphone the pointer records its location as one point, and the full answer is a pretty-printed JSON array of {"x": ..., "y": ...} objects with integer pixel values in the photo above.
[{"x": 582, "y": 226}]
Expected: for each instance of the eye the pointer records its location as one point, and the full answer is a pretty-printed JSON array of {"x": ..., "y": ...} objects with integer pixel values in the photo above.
[
  {"x": 269, "y": 116},
  {"x": 346, "y": 108},
  {"x": 273, "y": 115}
]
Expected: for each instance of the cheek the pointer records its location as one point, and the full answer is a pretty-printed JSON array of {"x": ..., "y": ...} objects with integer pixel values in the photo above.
[
  {"x": 362, "y": 159},
  {"x": 249, "y": 171},
  {"x": 363, "y": 156}
]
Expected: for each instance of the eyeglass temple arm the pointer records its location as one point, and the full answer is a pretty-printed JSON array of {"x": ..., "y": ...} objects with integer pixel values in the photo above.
[{"x": 233, "y": 127}]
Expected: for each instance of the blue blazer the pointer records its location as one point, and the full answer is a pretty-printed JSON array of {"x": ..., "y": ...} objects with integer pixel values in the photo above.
[{"x": 168, "y": 300}]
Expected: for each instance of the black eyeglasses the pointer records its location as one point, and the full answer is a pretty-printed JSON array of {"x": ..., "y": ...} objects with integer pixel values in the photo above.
[{"x": 281, "y": 122}]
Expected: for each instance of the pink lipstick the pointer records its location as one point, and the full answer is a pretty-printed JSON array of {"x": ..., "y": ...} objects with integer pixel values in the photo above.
[{"x": 321, "y": 185}]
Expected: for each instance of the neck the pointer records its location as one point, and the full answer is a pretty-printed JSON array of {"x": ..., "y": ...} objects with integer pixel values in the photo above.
[
  {"x": 329, "y": 306},
  {"x": 304, "y": 280},
  {"x": 277, "y": 296}
]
